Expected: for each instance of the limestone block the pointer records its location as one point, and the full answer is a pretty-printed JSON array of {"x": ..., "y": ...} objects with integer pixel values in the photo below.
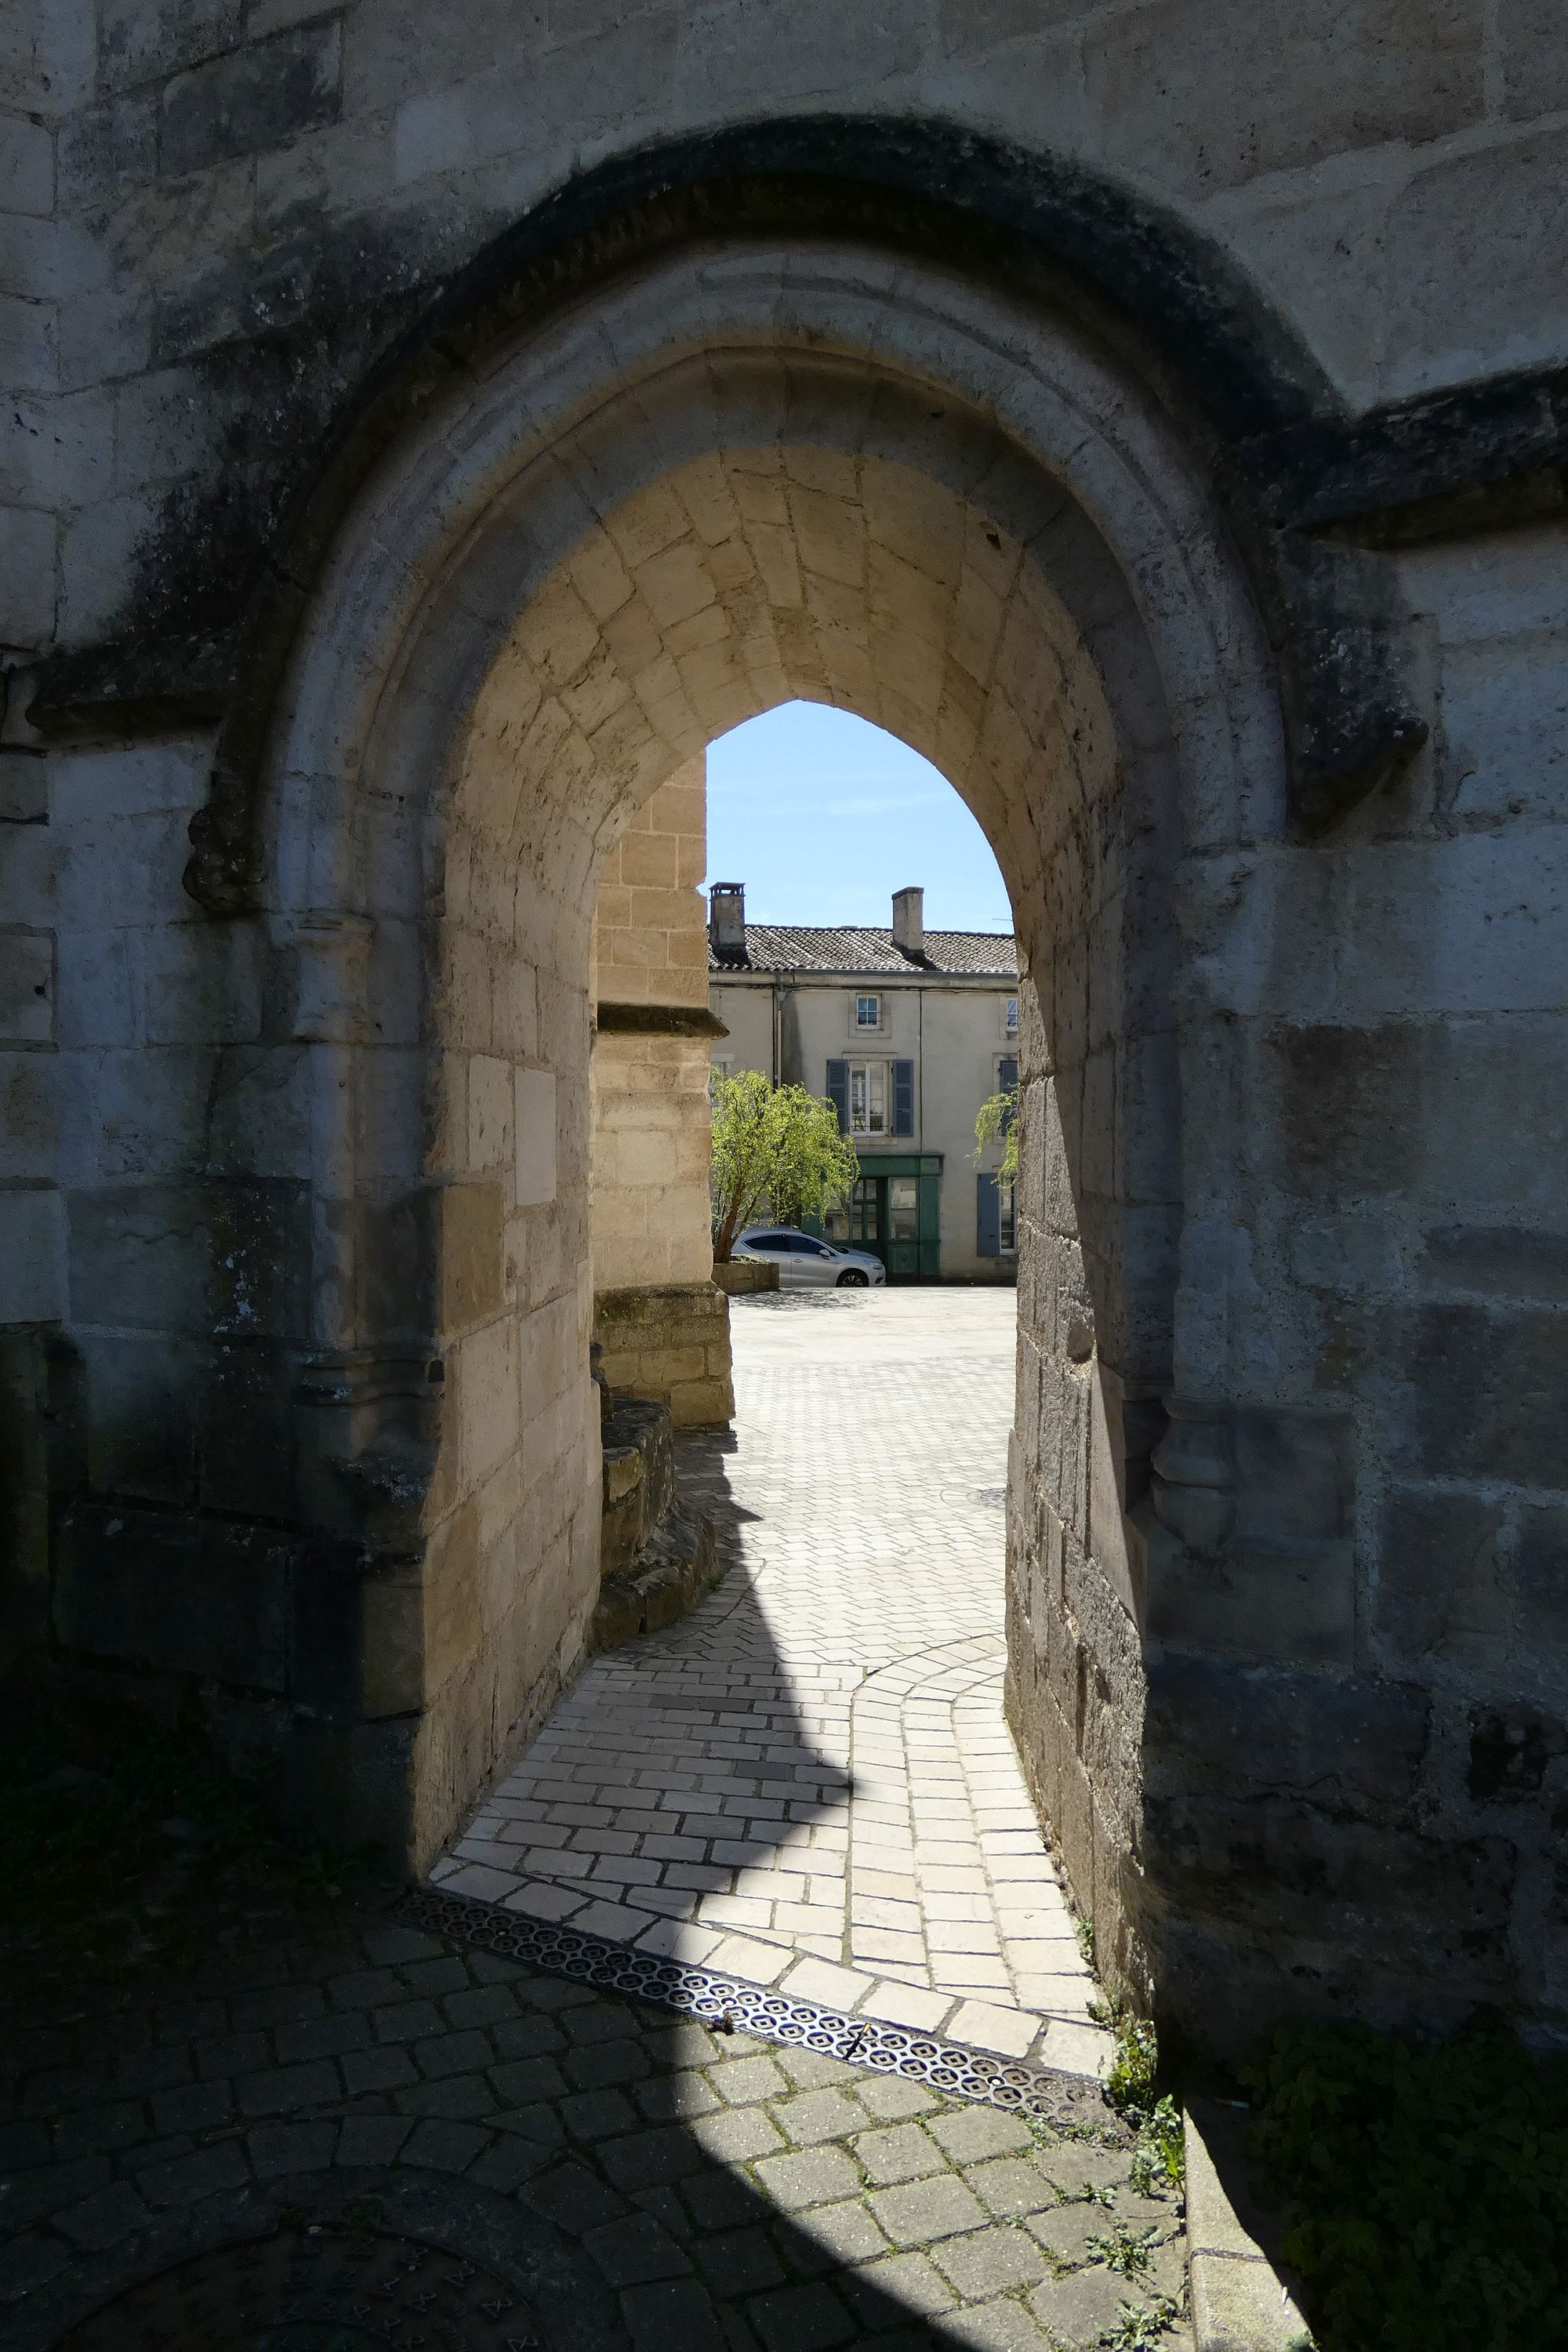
[
  {"x": 552, "y": 1354},
  {"x": 191, "y": 1257},
  {"x": 1292, "y": 1603},
  {"x": 261, "y": 1112},
  {"x": 244, "y": 1421},
  {"x": 175, "y": 1595},
  {"x": 31, "y": 1120},
  {"x": 1535, "y": 72},
  {"x": 200, "y": 983},
  {"x": 702, "y": 1404},
  {"x": 392, "y": 1641},
  {"x": 1505, "y": 729},
  {"x": 1487, "y": 1389},
  {"x": 470, "y": 1227},
  {"x": 32, "y": 1256},
  {"x": 1542, "y": 1605},
  {"x": 26, "y": 167},
  {"x": 1355, "y": 1746},
  {"x": 28, "y": 541},
  {"x": 1489, "y": 220},
  {"x": 252, "y": 98},
  {"x": 1463, "y": 1114},
  {"x": 490, "y": 1111},
  {"x": 488, "y": 1394},
  {"x": 23, "y": 785},
  {"x": 1338, "y": 78},
  {"x": 452, "y": 1621},
  {"x": 27, "y": 987},
  {"x": 93, "y": 788},
  {"x": 535, "y": 1128}
]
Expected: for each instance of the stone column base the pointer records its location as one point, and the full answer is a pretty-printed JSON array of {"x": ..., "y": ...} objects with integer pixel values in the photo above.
[{"x": 669, "y": 1341}]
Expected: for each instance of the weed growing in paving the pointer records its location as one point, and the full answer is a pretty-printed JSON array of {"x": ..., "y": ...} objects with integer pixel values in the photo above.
[
  {"x": 1141, "y": 2326},
  {"x": 1159, "y": 2160},
  {"x": 1123, "y": 2250},
  {"x": 1428, "y": 2186}
]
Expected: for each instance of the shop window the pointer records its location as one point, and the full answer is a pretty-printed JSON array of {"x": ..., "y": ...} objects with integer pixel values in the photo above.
[{"x": 904, "y": 1209}]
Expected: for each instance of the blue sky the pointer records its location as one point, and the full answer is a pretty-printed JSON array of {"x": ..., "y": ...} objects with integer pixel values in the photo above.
[{"x": 823, "y": 817}]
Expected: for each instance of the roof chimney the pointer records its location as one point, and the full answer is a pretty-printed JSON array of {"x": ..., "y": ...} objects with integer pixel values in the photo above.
[
  {"x": 727, "y": 920},
  {"x": 908, "y": 921}
]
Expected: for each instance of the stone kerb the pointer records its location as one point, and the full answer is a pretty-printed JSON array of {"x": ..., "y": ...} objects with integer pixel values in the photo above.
[{"x": 1237, "y": 2299}]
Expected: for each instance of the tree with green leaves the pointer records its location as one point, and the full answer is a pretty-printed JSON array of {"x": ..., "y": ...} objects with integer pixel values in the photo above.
[
  {"x": 776, "y": 1146},
  {"x": 998, "y": 1120}
]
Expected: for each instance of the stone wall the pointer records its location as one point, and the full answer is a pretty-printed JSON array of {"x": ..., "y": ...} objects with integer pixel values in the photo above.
[
  {"x": 424, "y": 433},
  {"x": 671, "y": 1342},
  {"x": 651, "y": 1221}
]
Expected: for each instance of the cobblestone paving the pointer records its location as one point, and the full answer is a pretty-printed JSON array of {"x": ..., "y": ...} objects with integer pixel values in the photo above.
[
  {"x": 819, "y": 1750},
  {"x": 809, "y": 1783},
  {"x": 647, "y": 2183}
]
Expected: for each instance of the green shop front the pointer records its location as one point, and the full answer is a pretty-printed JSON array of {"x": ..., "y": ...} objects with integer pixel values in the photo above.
[{"x": 895, "y": 1213}]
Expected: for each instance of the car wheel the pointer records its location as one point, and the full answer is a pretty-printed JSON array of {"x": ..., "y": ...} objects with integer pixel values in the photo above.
[{"x": 853, "y": 1280}]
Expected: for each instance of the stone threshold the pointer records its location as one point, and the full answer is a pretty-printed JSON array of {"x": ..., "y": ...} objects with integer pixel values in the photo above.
[
  {"x": 1001, "y": 2029},
  {"x": 798, "y": 2010}
]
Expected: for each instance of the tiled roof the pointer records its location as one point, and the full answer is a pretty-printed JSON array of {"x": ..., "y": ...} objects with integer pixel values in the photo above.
[{"x": 808, "y": 947}]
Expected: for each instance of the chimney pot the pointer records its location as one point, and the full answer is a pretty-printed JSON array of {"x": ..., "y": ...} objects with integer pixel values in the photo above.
[
  {"x": 908, "y": 921},
  {"x": 727, "y": 918}
]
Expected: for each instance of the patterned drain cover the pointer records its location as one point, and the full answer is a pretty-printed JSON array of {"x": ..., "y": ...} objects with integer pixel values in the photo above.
[
  {"x": 990, "y": 1498},
  {"x": 1069, "y": 2102},
  {"x": 317, "y": 2289}
]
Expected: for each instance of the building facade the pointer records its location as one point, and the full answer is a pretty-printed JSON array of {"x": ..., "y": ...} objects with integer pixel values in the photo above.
[{"x": 906, "y": 1032}]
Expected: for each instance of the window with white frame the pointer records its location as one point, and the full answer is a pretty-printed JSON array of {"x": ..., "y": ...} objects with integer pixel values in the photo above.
[
  {"x": 1008, "y": 1219},
  {"x": 867, "y": 1012},
  {"x": 1009, "y": 1017},
  {"x": 870, "y": 1092}
]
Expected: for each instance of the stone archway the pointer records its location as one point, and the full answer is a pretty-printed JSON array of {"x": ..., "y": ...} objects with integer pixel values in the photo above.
[{"x": 744, "y": 473}]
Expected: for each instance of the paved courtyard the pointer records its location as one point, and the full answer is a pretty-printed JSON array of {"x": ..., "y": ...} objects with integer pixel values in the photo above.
[
  {"x": 347, "y": 2128},
  {"x": 808, "y": 1783}
]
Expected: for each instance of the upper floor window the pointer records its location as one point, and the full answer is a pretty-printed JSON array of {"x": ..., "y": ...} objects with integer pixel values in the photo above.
[
  {"x": 869, "y": 1098},
  {"x": 867, "y": 1012},
  {"x": 1010, "y": 1016}
]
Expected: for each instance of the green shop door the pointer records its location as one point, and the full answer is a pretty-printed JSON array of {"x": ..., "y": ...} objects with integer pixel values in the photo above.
[{"x": 895, "y": 1213}]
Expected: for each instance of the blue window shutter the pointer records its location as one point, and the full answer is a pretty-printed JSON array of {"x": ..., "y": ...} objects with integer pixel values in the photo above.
[
  {"x": 903, "y": 1097},
  {"x": 987, "y": 1218},
  {"x": 1007, "y": 1073},
  {"x": 838, "y": 1093}
]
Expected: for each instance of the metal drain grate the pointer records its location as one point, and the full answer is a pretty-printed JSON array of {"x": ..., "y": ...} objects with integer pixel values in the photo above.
[{"x": 1065, "y": 2101}]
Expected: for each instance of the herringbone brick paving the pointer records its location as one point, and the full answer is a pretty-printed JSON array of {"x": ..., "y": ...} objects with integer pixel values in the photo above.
[{"x": 809, "y": 1782}]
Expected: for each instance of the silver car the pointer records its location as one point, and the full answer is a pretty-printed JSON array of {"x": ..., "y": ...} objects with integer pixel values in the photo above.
[{"x": 805, "y": 1264}]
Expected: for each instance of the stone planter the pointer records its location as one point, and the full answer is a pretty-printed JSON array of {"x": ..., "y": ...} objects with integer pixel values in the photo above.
[{"x": 741, "y": 1275}]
